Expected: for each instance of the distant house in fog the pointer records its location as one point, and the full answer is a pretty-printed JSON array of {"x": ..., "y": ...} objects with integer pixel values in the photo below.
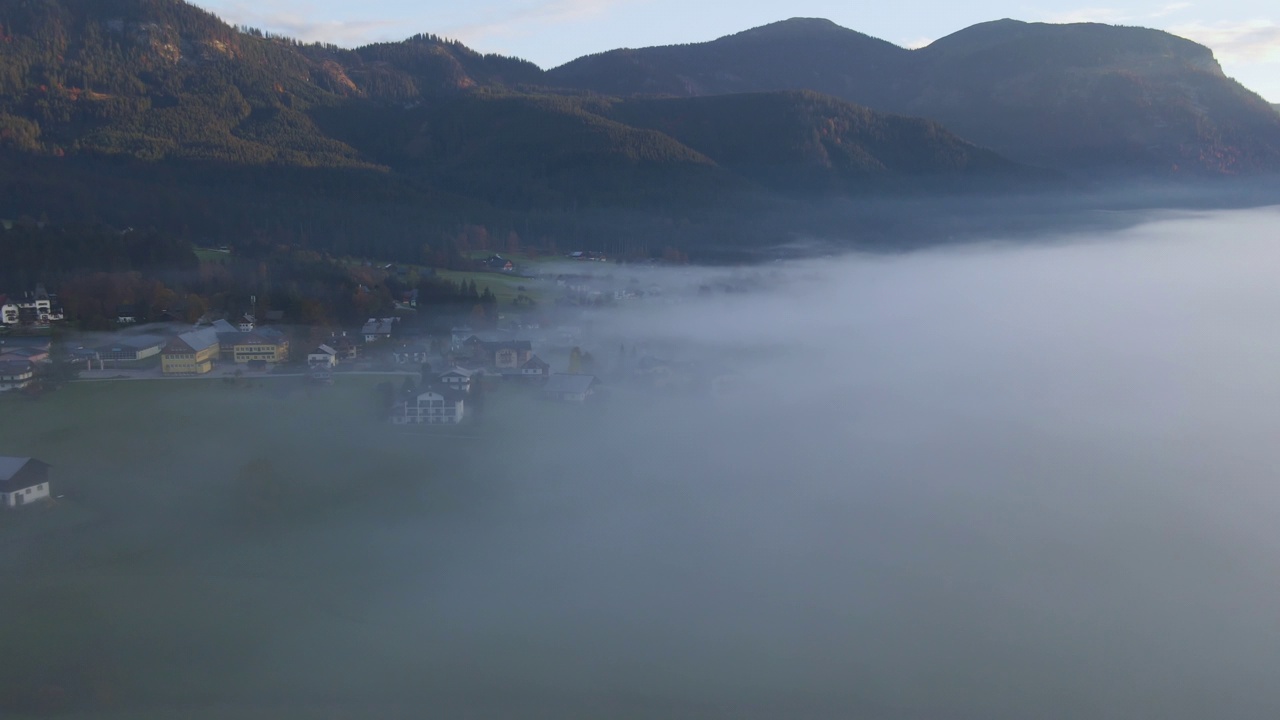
[
  {"x": 569, "y": 388},
  {"x": 322, "y": 357},
  {"x": 347, "y": 347},
  {"x": 502, "y": 354},
  {"x": 535, "y": 368},
  {"x": 376, "y": 329},
  {"x": 411, "y": 354},
  {"x": 23, "y": 481},
  {"x": 457, "y": 378},
  {"x": 497, "y": 262},
  {"x": 460, "y": 335},
  {"x": 437, "y": 406}
]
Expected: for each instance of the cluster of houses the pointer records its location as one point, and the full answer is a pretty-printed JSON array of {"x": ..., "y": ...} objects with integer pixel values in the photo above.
[
  {"x": 471, "y": 362},
  {"x": 37, "y": 308}
]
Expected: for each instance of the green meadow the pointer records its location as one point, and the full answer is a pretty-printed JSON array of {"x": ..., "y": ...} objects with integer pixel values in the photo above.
[{"x": 218, "y": 543}]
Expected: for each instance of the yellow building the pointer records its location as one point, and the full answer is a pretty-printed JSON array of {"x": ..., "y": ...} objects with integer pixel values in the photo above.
[
  {"x": 190, "y": 353},
  {"x": 254, "y": 346}
]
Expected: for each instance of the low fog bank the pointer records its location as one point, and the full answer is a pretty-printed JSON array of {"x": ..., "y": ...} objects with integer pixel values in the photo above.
[
  {"x": 890, "y": 221},
  {"x": 1000, "y": 481},
  {"x": 991, "y": 481}
]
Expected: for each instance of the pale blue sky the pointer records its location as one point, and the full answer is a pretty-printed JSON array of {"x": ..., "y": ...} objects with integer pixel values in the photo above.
[{"x": 1245, "y": 34}]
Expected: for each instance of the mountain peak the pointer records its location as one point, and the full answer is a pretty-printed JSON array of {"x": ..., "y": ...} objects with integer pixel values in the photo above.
[{"x": 796, "y": 27}]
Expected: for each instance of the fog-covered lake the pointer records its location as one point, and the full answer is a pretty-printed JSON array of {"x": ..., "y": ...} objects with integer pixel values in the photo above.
[
  {"x": 1012, "y": 480},
  {"x": 992, "y": 482}
]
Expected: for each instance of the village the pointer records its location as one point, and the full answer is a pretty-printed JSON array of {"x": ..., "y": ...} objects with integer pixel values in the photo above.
[{"x": 418, "y": 375}]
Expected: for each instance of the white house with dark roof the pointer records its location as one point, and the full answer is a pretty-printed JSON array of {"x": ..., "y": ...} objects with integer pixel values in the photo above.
[
  {"x": 23, "y": 481},
  {"x": 322, "y": 357},
  {"x": 457, "y": 378}
]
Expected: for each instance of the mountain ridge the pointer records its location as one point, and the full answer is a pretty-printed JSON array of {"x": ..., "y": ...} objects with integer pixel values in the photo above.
[
  {"x": 259, "y": 135},
  {"x": 1082, "y": 97}
]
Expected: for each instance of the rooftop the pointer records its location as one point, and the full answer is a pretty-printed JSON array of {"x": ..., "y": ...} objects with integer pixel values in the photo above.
[
  {"x": 199, "y": 340},
  {"x": 10, "y": 466},
  {"x": 138, "y": 342}
]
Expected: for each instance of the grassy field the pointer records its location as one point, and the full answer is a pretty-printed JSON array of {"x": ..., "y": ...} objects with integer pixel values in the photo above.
[
  {"x": 505, "y": 287},
  {"x": 217, "y": 543}
]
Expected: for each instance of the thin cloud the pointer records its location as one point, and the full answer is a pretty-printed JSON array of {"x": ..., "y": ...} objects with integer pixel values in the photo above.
[
  {"x": 520, "y": 19},
  {"x": 291, "y": 19},
  {"x": 1170, "y": 9},
  {"x": 1248, "y": 41}
]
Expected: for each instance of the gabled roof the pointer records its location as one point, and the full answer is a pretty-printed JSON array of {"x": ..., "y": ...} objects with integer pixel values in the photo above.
[
  {"x": 324, "y": 349},
  {"x": 225, "y": 327},
  {"x": 374, "y": 326},
  {"x": 458, "y": 371},
  {"x": 197, "y": 340},
  {"x": 449, "y": 394},
  {"x": 569, "y": 384},
  {"x": 534, "y": 362},
  {"x": 135, "y": 342},
  {"x": 25, "y": 352},
  {"x": 10, "y": 466},
  {"x": 16, "y": 367}
]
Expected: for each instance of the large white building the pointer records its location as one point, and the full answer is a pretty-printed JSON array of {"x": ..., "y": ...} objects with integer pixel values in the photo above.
[
  {"x": 443, "y": 406},
  {"x": 38, "y": 308}
]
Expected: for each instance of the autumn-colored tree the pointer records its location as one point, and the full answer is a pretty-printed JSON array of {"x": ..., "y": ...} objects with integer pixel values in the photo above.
[{"x": 196, "y": 308}]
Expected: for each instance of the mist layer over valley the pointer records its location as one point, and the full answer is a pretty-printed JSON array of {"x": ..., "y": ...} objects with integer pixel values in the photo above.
[{"x": 993, "y": 481}]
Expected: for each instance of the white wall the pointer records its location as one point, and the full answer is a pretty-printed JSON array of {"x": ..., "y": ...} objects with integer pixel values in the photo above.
[{"x": 38, "y": 492}]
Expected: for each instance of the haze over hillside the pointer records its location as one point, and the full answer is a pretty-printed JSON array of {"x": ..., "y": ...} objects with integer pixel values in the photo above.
[{"x": 155, "y": 112}]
